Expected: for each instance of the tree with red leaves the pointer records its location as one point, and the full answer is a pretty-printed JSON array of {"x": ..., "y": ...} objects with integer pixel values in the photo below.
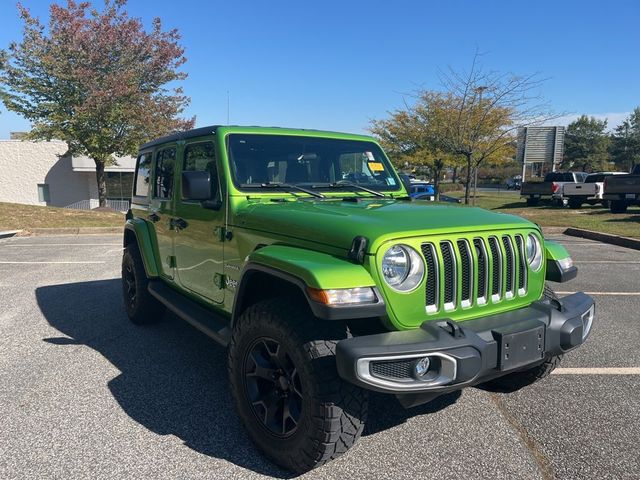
[{"x": 95, "y": 79}]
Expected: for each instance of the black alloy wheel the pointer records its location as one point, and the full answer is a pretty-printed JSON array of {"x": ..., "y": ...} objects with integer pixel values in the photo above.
[
  {"x": 273, "y": 387},
  {"x": 129, "y": 279}
]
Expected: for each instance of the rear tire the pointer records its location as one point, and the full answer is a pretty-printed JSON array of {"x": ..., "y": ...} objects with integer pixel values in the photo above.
[
  {"x": 532, "y": 202},
  {"x": 618, "y": 206},
  {"x": 517, "y": 380},
  {"x": 142, "y": 308},
  {"x": 282, "y": 365}
]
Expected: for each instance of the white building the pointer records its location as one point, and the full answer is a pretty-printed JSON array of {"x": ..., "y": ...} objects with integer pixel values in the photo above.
[{"x": 42, "y": 173}]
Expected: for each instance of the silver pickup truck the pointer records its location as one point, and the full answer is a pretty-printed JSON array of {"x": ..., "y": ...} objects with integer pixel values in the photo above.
[
  {"x": 589, "y": 192},
  {"x": 550, "y": 188}
]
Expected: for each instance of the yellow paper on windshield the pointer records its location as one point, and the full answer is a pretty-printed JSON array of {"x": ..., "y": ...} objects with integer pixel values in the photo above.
[{"x": 376, "y": 166}]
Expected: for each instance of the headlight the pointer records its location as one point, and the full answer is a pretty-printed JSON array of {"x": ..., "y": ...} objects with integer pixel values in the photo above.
[
  {"x": 402, "y": 268},
  {"x": 534, "y": 252}
]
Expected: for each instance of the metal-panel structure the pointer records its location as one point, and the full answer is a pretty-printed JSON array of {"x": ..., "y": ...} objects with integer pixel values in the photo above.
[{"x": 541, "y": 148}]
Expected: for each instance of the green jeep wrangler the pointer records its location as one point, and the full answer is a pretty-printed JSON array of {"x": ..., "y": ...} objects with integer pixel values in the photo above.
[{"x": 301, "y": 252}]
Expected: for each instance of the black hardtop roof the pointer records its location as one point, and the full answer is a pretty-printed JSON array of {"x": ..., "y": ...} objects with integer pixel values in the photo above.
[
  {"x": 211, "y": 129},
  {"x": 174, "y": 137}
]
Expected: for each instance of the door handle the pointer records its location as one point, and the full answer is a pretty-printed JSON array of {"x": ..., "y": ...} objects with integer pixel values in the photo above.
[
  {"x": 178, "y": 224},
  {"x": 154, "y": 217}
]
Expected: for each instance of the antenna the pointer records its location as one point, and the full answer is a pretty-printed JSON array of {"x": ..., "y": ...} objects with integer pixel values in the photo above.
[{"x": 228, "y": 107}]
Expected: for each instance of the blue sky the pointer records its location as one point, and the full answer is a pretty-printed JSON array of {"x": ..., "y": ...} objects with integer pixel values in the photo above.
[{"x": 337, "y": 64}]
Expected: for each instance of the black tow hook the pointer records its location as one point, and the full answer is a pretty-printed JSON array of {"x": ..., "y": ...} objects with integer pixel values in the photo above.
[{"x": 452, "y": 328}]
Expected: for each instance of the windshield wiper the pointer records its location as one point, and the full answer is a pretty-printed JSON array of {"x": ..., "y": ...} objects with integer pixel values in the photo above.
[
  {"x": 290, "y": 186},
  {"x": 345, "y": 183}
]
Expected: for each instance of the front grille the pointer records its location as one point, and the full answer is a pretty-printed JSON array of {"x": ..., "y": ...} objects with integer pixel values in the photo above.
[
  {"x": 449, "y": 267},
  {"x": 522, "y": 271},
  {"x": 496, "y": 268},
  {"x": 461, "y": 272},
  {"x": 431, "y": 293},
  {"x": 510, "y": 261},
  {"x": 465, "y": 272}
]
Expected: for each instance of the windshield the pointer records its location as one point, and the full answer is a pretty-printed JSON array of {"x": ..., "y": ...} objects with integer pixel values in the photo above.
[{"x": 320, "y": 163}]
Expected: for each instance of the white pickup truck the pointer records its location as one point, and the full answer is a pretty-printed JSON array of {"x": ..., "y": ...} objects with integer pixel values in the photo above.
[{"x": 588, "y": 192}]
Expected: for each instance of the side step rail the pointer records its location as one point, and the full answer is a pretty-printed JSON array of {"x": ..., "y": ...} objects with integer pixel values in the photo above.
[{"x": 208, "y": 322}]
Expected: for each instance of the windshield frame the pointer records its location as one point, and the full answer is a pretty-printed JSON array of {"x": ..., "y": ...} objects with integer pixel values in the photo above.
[{"x": 265, "y": 188}]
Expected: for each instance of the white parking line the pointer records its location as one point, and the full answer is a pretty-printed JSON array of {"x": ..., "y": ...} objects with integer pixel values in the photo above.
[
  {"x": 633, "y": 294},
  {"x": 62, "y": 245},
  {"x": 594, "y": 244},
  {"x": 597, "y": 371},
  {"x": 606, "y": 261},
  {"x": 40, "y": 263}
]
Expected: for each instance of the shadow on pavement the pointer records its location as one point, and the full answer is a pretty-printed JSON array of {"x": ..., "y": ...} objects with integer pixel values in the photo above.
[{"x": 173, "y": 378}]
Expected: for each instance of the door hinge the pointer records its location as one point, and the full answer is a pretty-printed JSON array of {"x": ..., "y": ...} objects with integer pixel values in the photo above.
[{"x": 219, "y": 280}]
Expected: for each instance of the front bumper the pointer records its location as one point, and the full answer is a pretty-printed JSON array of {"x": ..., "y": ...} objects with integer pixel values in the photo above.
[{"x": 466, "y": 353}]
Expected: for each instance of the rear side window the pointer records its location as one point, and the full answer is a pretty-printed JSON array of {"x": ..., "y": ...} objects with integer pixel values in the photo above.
[
  {"x": 595, "y": 178},
  {"x": 143, "y": 172},
  {"x": 165, "y": 166},
  {"x": 554, "y": 177}
]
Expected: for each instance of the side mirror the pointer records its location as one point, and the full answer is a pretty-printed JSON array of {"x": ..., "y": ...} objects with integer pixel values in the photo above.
[{"x": 196, "y": 185}]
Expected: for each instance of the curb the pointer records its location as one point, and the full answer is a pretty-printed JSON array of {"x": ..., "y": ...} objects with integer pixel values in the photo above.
[
  {"x": 627, "y": 242},
  {"x": 73, "y": 231},
  {"x": 9, "y": 233}
]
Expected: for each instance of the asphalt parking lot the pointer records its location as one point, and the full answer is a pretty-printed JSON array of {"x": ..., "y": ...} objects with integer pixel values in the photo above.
[{"x": 85, "y": 394}]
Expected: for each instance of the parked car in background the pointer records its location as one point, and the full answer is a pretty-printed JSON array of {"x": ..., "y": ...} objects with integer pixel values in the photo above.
[
  {"x": 590, "y": 191},
  {"x": 514, "y": 183},
  {"x": 419, "y": 190},
  {"x": 623, "y": 190},
  {"x": 551, "y": 187},
  {"x": 422, "y": 189},
  {"x": 441, "y": 198}
]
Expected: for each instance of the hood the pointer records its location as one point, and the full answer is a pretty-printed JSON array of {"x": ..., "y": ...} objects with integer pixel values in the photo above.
[{"x": 336, "y": 223}]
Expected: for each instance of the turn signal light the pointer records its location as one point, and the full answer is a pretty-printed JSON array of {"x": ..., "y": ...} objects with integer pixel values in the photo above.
[{"x": 343, "y": 296}]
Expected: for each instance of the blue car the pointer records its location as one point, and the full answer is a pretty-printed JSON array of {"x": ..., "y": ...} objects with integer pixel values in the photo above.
[{"x": 421, "y": 190}]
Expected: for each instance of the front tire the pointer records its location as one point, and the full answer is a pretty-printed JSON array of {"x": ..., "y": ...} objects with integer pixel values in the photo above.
[
  {"x": 286, "y": 387},
  {"x": 142, "y": 308}
]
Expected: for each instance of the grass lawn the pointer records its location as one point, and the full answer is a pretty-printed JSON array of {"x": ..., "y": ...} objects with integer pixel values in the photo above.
[
  {"x": 14, "y": 217},
  {"x": 594, "y": 218}
]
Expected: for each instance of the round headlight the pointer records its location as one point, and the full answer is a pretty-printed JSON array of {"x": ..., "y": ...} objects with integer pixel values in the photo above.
[
  {"x": 402, "y": 268},
  {"x": 534, "y": 252}
]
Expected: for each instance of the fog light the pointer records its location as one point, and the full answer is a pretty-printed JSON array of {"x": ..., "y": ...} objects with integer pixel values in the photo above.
[
  {"x": 587, "y": 321},
  {"x": 422, "y": 366}
]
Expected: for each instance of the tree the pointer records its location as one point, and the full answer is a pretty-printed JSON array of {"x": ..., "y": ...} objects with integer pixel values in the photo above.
[
  {"x": 586, "y": 144},
  {"x": 409, "y": 139},
  {"x": 484, "y": 111},
  {"x": 95, "y": 79},
  {"x": 625, "y": 142},
  {"x": 477, "y": 114}
]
